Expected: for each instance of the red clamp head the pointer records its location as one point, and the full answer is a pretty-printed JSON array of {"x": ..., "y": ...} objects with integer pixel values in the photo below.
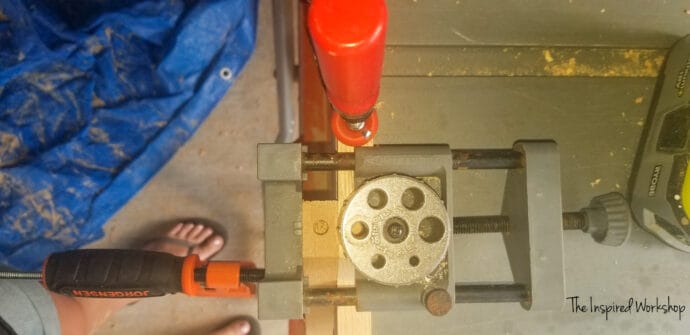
[
  {"x": 349, "y": 39},
  {"x": 355, "y": 134}
]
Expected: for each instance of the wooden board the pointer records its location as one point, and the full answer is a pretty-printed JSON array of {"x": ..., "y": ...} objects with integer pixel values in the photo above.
[
  {"x": 320, "y": 257},
  {"x": 350, "y": 322},
  {"x": 325, "y": 264}
]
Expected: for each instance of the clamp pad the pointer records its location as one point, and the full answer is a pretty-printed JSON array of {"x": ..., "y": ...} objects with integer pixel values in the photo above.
[{"x": 532, "y": 200}]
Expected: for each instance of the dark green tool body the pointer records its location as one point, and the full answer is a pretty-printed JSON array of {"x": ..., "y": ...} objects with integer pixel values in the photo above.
[{"x": 659, "y": 192}]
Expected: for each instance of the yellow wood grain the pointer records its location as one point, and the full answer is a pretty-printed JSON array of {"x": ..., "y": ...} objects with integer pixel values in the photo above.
[
  {"x": 317, "y": 217},
  {"x": 320, "y": 252},
  {"x": 352, "y": 322},
  {"x": 325, "y": 264},
  {"x": 349, "y": 321}
]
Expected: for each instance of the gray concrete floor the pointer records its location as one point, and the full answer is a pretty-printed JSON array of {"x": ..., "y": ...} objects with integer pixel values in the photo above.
[{"x": 211, "y": 178}]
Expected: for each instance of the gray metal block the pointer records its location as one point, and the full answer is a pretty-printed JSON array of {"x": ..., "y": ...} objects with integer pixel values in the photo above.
[
  {"x": 281, "y": 300},
  {"x": 532, "y": 200},
  {"x": 279, "y": 162},
  {"x": 280, "y": 295},
  {"x": 283, "y": 229}
]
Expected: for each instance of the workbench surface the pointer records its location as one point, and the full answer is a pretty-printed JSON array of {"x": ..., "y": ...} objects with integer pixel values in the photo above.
[{"x": 591, "y": 97}]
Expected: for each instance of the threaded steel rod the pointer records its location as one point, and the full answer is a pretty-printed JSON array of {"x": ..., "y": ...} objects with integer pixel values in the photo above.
[
  {"x": 247, "y": 275},
  {"x": 487, "y": 159},
  {"x": 331, "y": 296},
  {"x": 252, "y": 275},
  {"x": 480, "y": 159},
  {"x": 464, "y": 293},
  {"x": 20, "y": 275},
  {"x": 481, "y": 224},
  {"x": 501, "y": 223},
  {"x": 328, "y": 162},
  {"x": 574, "y": 221},
  {"x": 485, "y": 293}
]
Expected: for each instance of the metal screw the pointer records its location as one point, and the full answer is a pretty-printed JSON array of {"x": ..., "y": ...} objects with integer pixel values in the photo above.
[{"x": 395, "y": 230}]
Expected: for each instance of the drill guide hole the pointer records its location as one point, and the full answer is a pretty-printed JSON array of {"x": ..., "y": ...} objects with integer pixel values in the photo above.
[
  {"x": 359, "y": 230},
  {"x": 431, "y": 229},
  {"x": 413, "y": 198},
  {"x": 378, "y": 261},
  {"x": 395, "y": 230},
  {"x": 414, "y": 260},
  {"x": 377, "y": 199}
]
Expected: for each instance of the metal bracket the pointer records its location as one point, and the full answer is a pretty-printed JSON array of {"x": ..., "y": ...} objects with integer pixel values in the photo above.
[
  {"x": 280, "y": 294},
  {"x": 532, "y": 200}
]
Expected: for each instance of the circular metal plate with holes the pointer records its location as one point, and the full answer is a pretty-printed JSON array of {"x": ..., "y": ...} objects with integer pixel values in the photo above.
[{"x": 395, "y": 229}]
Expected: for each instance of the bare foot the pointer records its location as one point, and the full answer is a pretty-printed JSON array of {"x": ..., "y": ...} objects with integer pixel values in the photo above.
[
  {"x": 188, "y": 238},
  {"x": 84, "y": 315},
  {"x": 239, "y": 327}
]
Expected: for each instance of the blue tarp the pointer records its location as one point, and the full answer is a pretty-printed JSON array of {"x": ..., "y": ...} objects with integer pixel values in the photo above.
[{"x": 95, "y": 96}]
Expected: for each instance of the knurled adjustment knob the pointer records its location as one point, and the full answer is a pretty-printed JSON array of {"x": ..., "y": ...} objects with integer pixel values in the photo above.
[{"x": 608, "y": 219}]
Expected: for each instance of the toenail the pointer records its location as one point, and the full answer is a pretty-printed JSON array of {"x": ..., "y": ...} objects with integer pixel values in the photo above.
[
  {"x": 245, "y": 327},
  {"x": 217, "y": 241}
]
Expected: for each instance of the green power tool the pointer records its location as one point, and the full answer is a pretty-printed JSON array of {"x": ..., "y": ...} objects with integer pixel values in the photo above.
[{"x": 660, "y": 198}]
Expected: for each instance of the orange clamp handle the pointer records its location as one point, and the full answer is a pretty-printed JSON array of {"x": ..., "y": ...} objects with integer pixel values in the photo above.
[{"x": 222, "y": 279}]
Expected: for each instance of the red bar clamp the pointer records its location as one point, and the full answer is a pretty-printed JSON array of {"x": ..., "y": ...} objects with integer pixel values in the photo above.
[{"x": 348, "y": 38}]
